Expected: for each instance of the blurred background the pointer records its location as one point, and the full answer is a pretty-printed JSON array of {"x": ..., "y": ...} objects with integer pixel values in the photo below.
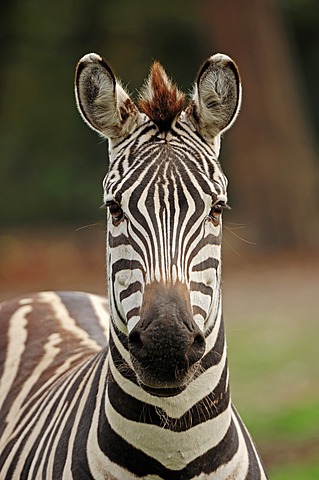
[{"x": 52, "y": 232}]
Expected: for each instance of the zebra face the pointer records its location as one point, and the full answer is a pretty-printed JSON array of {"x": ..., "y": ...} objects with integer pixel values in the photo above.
[
  {"x": 165, "y": 192},
  {"x": 164, "y": 240}
]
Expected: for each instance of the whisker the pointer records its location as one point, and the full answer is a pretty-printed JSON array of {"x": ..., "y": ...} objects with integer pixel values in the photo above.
[
  {"x": 239, "y": 237},
  {"x": 90, "y": 225},
  {"x": 231, "y": 247},
  {"x": 236, "y": 224}
]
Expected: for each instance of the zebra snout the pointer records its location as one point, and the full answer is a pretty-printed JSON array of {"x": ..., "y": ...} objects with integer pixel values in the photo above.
[
  {"x": 164, "y": 352},
  {"x": 166, "y": 342}
]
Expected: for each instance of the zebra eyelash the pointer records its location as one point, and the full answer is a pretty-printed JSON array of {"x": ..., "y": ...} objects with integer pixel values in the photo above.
[
  {"x": 216, "y": 211},
  {"x": 115, "y": 210},
  {"x": 220, "y": 206},
  {"x": 109, "y": 203}
]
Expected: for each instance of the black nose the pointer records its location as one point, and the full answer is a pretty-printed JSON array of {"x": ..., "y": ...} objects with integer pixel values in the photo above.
[
  {"x": 166, "y": 348},
  {"x": 166, "y": 342}
]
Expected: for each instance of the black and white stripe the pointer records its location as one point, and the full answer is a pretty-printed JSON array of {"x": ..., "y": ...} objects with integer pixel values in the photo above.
[{"x": 141, "y": 391}]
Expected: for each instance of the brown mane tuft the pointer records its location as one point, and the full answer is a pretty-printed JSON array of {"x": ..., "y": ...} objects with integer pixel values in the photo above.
[{"x": 160, "y": 99}]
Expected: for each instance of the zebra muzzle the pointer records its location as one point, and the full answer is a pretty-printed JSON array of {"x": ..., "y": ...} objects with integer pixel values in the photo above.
[{"x": 166, "y": 344}]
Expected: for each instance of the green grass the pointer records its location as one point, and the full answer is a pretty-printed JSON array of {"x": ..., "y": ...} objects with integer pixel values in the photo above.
[
  {"x": 293, "y": 423},
  {"x": 302, "y": 471},
  {"x": 274, "y": 384}
]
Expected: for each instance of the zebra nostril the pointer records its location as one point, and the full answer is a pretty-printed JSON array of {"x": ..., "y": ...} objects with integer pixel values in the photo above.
[
  {"x": 196, "y": 349},
  {"x": 135, "y": 341},
  {"x": 199, "y": 340},
  {"x": 135, "y": 338}
]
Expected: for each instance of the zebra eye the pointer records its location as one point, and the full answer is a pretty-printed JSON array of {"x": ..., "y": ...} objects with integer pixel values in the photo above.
[
  {"x": 116, "y": 212},
  {"x": 216, "y": 212}
]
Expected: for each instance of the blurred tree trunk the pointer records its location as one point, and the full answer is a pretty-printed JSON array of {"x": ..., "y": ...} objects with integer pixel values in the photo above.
[{"x": 272, "y": 162}]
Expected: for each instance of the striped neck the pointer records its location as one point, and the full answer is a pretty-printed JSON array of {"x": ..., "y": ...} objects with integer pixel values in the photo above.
[{"x": 193, "y": 422}]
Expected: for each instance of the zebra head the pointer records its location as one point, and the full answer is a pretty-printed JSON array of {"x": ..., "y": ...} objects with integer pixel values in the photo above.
[{"x": 165, "y": 192}]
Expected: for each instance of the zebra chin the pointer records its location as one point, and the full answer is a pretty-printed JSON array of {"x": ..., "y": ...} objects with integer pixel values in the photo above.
[
  {"x": 161, "y": 387},
  {"x": 164, "y": 383},
  {"x": 163, "y": 392}
]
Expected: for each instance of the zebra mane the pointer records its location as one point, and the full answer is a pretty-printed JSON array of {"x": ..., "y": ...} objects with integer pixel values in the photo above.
[{"x": 160, "y": 98}]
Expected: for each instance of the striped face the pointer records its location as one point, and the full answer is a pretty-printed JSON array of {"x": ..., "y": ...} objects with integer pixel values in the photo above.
[
  {"x": 164, "y": 222},
  {"x": 165, "y": 193}
]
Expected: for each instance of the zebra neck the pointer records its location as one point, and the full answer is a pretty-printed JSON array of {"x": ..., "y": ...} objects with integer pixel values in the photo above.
[{"x": 204, "y": 405}]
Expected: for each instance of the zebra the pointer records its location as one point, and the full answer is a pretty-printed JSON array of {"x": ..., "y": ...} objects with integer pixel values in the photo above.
[{"x": 136, "y": 386}]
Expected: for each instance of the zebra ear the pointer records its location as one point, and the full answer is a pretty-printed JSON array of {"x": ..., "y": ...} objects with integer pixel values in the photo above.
[
  {"x": 101, "y": 100},
  {"x": 217, "y": 96}
]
